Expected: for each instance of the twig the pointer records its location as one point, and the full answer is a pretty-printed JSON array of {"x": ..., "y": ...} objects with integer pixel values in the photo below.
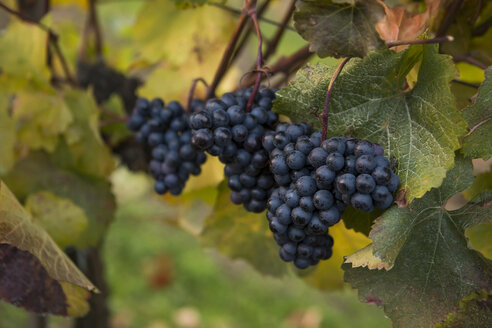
[
  {"x": 113, "y": 120},
  {"x": 468, "y": 84},
  {"x": 224, "y": 62},
  {"x": 239, "y": 12},
  {"x": 451, "y": 12},
  {"x": 52, "y": 39},
  {"x": 244, "y": 39},
  {"x": 284, "y": 65},
  {"x": 440, "y": 39},
  {"x": 94, "y": 23},
  {"x": 259, "y": 59},
  {"x": 482, "y": 28},
  {"x": 470, "y": 60},
  {"x": 326, "y": 108},
  {"x": 192, "y": 91},
  {"x": 476, "y": 126},
  {"x": 273, "y": 43}
]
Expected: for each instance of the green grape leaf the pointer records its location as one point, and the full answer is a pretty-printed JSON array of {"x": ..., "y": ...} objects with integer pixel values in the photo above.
[
  {"x": 82, "y": 142},
  {"x": 478, "y": 144},
  {"x": 36, "y": 273},
  {"x": 419, "y": 128},
  {"x": 7, "y": 134},
  {"x": 474, "y": 311},
  {"x": 37, "y": 173},
  {"x": 42, "y": 118},
  {"x": 393, "y": 229},
  {"x": 434, "y": 269},
  {"x": 242, "y": 235},
  {"x": 339, "y": 28},
  {"x": 479, "y": 238},
  {"x": 60, "y": 217}
]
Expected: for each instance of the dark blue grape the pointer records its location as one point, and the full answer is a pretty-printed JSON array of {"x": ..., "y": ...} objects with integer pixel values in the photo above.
[
  {"x": 345, "y": 183},
  {"x": 323, "y": 200},
  {"x": 365, "y": 183},
  {"x": 306, "y": 186},
  {"x": 365, "y": 164},
  {"x": 362, "y": 202},
  {"x": 335, "y": 161},
  {"x": 317, "y": 157}
]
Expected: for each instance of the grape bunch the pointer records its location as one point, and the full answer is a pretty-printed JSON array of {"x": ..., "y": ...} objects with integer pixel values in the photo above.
[
  {"x": 226, "y": 130},
  {"x": 317, "y": 180},
  {"x": 166, "y": 130}
]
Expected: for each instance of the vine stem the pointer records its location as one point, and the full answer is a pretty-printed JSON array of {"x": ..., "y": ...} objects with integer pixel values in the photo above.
[
  {"x": 192, "y": 91},
  {"x": 96, "y": 29},
  {"x": 259, "y": 59},
  {"x": 52, "y": 39},
  {"x": 244, "y": 40},
  {"x": 326, "y": 108},
  {"x": 283, "y": 65},
  {"x": 224, "y": 62},
  {"x": 275, "y": 40},
  {"x": 439, "y": 39},
  {"x": 239, "y": 12}
]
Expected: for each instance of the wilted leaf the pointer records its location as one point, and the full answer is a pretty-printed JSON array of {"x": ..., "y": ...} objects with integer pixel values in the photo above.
[
  {"x": 474, "y": 311},
  {"x": 37, "y": 173},
  {"x": 399, "y": 24},
  {"x": 32, "y": 265},
  {"x": 60, "y": 217},
  {"x": 7, "y": 134},
  {"x": 339, "y": 28},
  {"x": 434, "y": 269},
  {"x": 479, "y": 116},
  {"x": 328, "y": 274},
  {"x": 241, "y": 234},
  {"x": 365, "y": 258},
  {"x": 393, "y": 229},
  {"x": 419, "y": 128}
]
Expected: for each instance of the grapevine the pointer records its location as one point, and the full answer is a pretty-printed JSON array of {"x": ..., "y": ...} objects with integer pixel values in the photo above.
[{"x": 361, "y": 156}]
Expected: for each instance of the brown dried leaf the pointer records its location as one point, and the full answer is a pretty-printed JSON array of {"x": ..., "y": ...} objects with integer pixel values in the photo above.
[{"x": 399, "y": 24}]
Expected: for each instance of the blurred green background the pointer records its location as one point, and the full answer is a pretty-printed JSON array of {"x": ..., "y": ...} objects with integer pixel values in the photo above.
[{"x": 159, "y": 277}]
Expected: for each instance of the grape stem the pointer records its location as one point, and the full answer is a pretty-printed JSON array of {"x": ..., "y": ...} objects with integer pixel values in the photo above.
[
  {"x": 244, "y": 39},
  {"x": 283, "y": 65},
  {"x": 275, "y": 40},
  {"x": 52, "y": 40},
  {"x": 259, "y": 59},
  {"x": 226, "y": 57},
  {"x": 440, "y": 39},
  {"x": 192, "y": 91},
  {"x": 326, "y": 108}
]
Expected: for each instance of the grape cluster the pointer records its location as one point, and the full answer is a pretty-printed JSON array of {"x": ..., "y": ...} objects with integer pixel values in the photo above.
[
  {"x": 226, "y": 130},
  {"x": 166, "y": 130},
  {"x": 317, "y": 180}
]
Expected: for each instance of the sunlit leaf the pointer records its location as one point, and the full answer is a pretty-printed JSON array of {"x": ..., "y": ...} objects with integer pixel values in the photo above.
[
  {"x": 242, "y": 235},
  {"x": 328, "y": 274},
  {"x": 60, "y": 217},
  {"x": 474, "y": 311}
]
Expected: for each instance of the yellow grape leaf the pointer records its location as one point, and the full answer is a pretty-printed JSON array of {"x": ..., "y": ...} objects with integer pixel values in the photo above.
[
  {"x": 41, "y": 118},
  {"x": 77, "y": 297},
  {"x": 23, "y": 54},
  {"x": 328, "y": 274},
  {"x": 366, "y": 258},
  {"x": 60, "y": 217},
  {"x": 82, "y": 143}
]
